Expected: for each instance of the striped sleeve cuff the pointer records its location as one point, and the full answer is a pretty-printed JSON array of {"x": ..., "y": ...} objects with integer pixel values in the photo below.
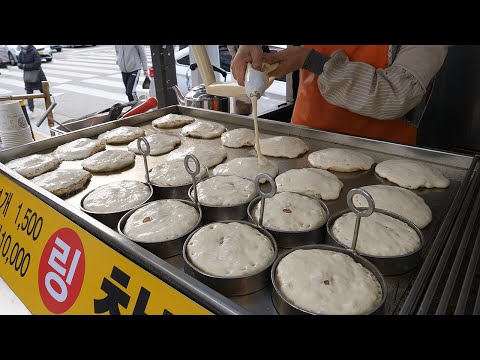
[{"x": 315, "y": 62}]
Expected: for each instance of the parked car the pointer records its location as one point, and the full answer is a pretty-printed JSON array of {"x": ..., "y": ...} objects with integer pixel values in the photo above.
[
  {"x": 274, "y": 95},
  {"x": 74, "y": 46},
  {"x": 58, "y": 48},
  {"x": 3, "y": 56},
  {"x": 44, "y": 50}
]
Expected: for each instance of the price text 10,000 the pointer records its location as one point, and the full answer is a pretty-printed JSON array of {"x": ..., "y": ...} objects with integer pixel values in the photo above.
[{"x": 13, "y": 253}]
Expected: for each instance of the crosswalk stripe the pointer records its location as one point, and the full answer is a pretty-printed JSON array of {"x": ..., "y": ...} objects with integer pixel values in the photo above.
[
  {"x": 119, "y": 76},
  {"x": 102, "y": 60},
  {"x": 89, "y": 49},
  {"x": 4, "y": 92},
  {"x": 66, "y": 67},
  {"x": 87, "y": 65},
  {"x": 68, "y": 73},
  {"x": 49, "y": 78},
  {"x": 115, "y": 84},
  {"x": 97, "y": 57},
  {"x": 107, "y": 53},
  {"x": 100, "y": 56},
  {"x": 88, "y": 60},
  {"x": 12, "y": 82},
  {"x": 99, "y": 60},
  {"x": 93, "y": 92},
  {"x": 57, "y": 80}
]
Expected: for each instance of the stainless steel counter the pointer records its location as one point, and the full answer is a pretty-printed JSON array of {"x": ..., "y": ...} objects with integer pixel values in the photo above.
[{"x": 454, "y": 166}]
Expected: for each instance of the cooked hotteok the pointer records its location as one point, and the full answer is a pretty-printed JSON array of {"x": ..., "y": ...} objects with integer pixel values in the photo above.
[{"x": 34, "y": 165}]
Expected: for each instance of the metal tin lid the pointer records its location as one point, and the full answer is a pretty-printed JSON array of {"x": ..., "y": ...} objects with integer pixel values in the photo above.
[{"x": 199, "y": 93}]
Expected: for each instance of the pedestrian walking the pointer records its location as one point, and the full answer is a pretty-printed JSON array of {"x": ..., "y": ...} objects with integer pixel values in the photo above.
[
  {"x": 30, "y": 62},
  {"x": 131, "y": 59}
]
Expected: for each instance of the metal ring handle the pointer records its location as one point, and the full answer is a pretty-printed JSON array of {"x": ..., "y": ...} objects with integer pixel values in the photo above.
[
  {"x": 359, "y": 213},
  {"x": 139, "y": 146},
  {"x": 371, "y": 204},
  {"x": 263, "y": 194},
  {"x": 272, "y": 182},
  {"x": 186, "y": 160},
  {"x": 144, "y": 154},
  {"x": 193, "y": 173}
]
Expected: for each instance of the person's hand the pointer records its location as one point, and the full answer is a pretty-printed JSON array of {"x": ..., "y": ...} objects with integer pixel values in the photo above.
[
  {"x": 246, "y": 54},
  {"x": 290, "y": 59},
  {"x": 145, "y": 72},
  {"x": 20, "y": 66}
]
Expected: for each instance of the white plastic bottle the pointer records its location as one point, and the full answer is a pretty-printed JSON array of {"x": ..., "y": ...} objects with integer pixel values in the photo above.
[{"x": 256, "y": 82}]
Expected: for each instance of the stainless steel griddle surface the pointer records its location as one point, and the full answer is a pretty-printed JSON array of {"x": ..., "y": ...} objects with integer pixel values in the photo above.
[{"x": 451, "y": 165}]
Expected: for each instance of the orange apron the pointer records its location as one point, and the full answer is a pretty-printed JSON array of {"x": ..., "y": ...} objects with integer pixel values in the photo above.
[{"x": 311, "y": 109}]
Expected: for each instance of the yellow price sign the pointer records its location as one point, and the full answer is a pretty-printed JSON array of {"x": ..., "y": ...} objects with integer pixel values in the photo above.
[{"x": 56, "y": 267}]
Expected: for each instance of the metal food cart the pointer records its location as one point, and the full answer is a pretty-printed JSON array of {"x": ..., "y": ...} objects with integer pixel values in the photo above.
[{"x": 446, "y": 281}]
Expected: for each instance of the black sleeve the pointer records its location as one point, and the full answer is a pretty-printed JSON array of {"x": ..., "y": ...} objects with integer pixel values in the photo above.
[
  {"x": 35, "y": 65},
  {"x": 315, "y": 62}
]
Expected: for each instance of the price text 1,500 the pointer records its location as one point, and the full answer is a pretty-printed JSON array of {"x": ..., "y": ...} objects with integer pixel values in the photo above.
[{"x": 31, "y": 223}]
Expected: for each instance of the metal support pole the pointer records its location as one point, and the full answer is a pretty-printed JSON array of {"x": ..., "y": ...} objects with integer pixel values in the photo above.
[
  {"x": 164, "y": 74},
  {"x": 22, "y": 97},
  {"x": 48, "y": 103},
  {"x": 214, "y": 55}
]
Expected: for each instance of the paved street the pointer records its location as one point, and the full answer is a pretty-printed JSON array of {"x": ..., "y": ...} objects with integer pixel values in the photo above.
[
  {"x": 85, "y": 80},
  {"x": 82, "y": 81}
]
